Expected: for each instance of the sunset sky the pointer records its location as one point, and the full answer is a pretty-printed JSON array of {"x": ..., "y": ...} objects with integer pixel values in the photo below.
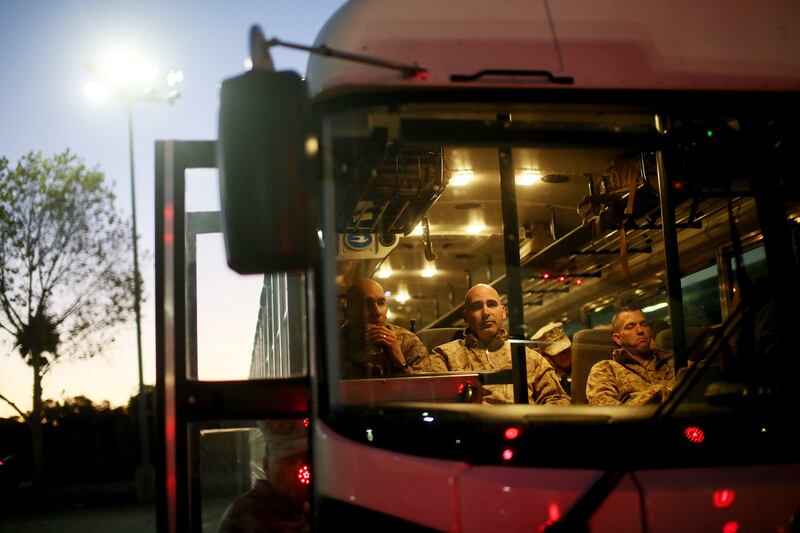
[{"x": 44, "y": 46}]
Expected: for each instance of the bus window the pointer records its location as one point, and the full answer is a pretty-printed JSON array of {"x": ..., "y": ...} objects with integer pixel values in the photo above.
[
  {"x": 252, "y": 475},
  {"x": 701, "y": 301},
  {"x": 238, "y": 326},
  {"x": 421, "y": 206}
]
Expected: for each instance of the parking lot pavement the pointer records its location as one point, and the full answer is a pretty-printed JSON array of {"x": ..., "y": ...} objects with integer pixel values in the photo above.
[
  {"x": 114, "y": 518},
  {"x": 128, "y": 518}
]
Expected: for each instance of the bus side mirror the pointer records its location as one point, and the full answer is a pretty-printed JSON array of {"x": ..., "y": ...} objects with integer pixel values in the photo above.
[{"x": 265, "y": 173}]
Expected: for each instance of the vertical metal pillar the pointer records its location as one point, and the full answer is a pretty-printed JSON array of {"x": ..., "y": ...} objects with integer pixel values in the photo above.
[
  {"x": 516, "y": 319},
  {"x": 672, "y": 258},
  {"x": 175, "y": 492}
]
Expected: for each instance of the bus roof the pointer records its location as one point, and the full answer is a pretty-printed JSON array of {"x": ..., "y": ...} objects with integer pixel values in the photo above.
[{"x": 604, "y": 44}]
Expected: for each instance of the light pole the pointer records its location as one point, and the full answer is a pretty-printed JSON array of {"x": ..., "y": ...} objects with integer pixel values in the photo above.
[
  {"x": 144, "y": 441},
  {"x": 118, "y": 76}
]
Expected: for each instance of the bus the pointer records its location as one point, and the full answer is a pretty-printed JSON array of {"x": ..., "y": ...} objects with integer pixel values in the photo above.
[{"x": 575, "y": 156}]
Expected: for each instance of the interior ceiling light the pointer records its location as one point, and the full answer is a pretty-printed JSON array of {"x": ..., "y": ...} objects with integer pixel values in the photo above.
[
  {"x": 476, "y": 229},
  {"x": 385, "y": 272},
  {"x": 461, "y": 178},
  {"x": 428, "y": 272},
  {"x": 654, "y": 307},
  {"x": 528, "y": 177}
]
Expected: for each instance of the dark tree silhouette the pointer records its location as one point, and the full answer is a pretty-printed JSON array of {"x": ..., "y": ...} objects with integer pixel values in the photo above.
[{"x": 65, "y": 273}]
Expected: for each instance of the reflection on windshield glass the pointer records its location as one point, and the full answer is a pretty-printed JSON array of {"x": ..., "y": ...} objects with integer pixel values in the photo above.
[{"x": 562, "y": 272}]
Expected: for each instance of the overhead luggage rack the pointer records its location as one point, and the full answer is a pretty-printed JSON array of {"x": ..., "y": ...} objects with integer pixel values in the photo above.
[{"x": 387, "y": 193}]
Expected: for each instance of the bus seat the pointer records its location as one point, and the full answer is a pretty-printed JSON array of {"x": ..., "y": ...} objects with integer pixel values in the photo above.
[
  {"x": 433, "y": 337},
  {"x": 588, "y": 347},
  {"x": 657, "y": 326},
  {"x": 693, "y": 333}
]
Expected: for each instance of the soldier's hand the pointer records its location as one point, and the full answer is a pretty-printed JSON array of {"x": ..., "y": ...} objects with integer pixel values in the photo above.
[{"x": 380, "y": 335}]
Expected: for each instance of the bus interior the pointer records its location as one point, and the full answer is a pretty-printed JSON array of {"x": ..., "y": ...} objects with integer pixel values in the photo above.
[{"x": 422, "y": 207}]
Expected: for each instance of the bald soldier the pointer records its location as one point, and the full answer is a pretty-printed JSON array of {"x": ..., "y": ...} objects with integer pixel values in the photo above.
[
  {"x": 371, "y": 346},
  {"x": 485, "y": 348}
]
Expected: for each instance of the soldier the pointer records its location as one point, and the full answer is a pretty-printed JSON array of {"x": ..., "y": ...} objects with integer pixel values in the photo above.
[
  {"x": 371, "y": 346},
  {"x": 485, "y": 348},
  {"x": 556, "y": 347},
  {"x": 279, "y": 500},
  {"x": 636, "y": 374}
]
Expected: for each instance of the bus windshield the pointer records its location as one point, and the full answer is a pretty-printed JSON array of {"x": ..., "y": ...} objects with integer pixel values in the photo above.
[{"x": 528, "y": 253}]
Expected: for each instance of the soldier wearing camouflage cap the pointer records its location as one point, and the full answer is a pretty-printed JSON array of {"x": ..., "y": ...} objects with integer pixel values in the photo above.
[{"x": 555, "y": 346}]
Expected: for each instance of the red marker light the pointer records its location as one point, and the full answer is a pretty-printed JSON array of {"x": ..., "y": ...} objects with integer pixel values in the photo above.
[
  {"x": 723, "y": 498},
  {"x": 561, "y": 278},
  {"x": 553, "y": 512},
  {"x": 545, "y": 276},
  {"x": 730, "y": 527},
  {"x": 420, "y": 75},
  {"x": 546, "y": 525},
  {"x": 1, "y": 462},
  {"x": 305, "y": 422},
  {"x": 508, "y": 455},
  {"x": 694, "y": 434},
  {"x": 304, "y": 475},
  {"x": 512, "y": 433},
  {"x": 553, "y": 516},
  {"x": 578, "y": 282}
]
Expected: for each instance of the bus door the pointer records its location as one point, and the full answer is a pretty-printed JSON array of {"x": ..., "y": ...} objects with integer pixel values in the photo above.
[{"x": 223, "y": 381}]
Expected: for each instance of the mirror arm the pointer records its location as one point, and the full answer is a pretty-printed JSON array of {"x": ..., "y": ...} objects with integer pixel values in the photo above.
[{"x": 259, "y": 47}]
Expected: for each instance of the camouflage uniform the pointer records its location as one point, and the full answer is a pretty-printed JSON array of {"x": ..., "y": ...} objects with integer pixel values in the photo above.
[
  {"x": 624, "y": 380},
  {"x": 264, "y": 509},
  {"x": 469, "y": 355},
  {"x": 564, "y": 376},
  {"x": 358, "y": 362}
]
